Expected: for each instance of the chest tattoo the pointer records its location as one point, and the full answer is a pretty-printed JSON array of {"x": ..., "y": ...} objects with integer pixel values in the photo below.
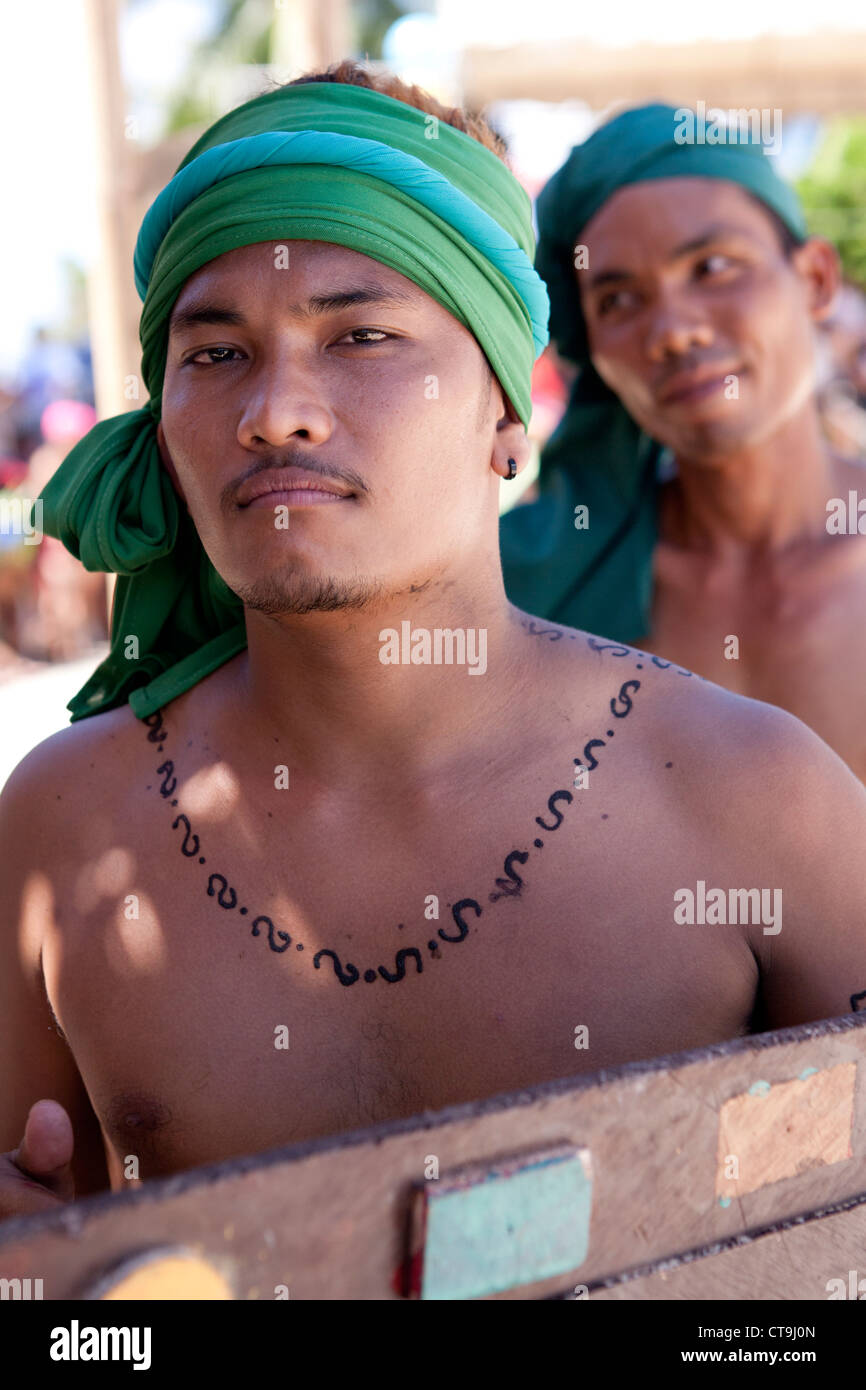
[{"x": 409, "y": 961}]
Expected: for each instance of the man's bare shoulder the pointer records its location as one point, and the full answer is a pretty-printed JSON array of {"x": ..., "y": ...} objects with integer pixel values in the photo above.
[
  {"x": 736, "y": 748},
  {"x": 679, "y": 703},
  {"x": 59, "y": 771}
]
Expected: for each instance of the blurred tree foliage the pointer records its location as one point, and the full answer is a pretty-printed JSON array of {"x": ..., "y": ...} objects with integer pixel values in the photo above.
[
  {"x": 373, "y": 19},
  {"x": 833, "y": 191},
  {"x": 241, "y": 36}
]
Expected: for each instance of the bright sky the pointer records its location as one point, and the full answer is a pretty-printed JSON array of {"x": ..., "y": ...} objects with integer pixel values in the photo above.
[
  {"x": 46, "y": 144},
  {"x": 505, "y": 22}
]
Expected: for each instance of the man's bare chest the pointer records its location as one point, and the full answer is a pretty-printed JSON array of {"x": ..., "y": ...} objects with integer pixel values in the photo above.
[
  {"x": 231, "y": 979},
  {"x": 800, "y": 647}
]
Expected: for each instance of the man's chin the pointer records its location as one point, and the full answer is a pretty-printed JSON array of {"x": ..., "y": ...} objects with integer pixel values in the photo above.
[
  {"x": 709, "y": 440},
  {"x": 284, "y": 598}
]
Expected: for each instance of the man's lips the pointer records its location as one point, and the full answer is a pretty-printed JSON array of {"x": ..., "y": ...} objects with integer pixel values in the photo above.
[
  {"x": 292, "y": 487},
  {"x": 695, "y": 385}
]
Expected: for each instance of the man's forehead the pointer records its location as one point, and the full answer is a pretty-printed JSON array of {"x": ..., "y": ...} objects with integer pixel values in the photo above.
[
  {"x": 667, "y": 217},
  {"x": 313, "y": 276}
]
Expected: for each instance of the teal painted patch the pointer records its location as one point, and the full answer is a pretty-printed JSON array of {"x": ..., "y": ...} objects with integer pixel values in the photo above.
[
  {"x": 724, "y": 1201},
  {"x": 760, "y": 1088},
  {"x": 508, "y": 1227},
  {"x": 807, "y": 1071}
]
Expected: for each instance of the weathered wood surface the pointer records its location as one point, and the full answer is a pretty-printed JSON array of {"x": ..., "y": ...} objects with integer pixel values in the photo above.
[
  {"x": 798, "y": 1262},
  {"x": 329, "y": 1219}
]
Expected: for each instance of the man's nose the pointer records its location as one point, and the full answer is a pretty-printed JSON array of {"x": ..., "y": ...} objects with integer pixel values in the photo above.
[
  {"x": 675, "y": 328},
  {"x": 284, "y": 400}
]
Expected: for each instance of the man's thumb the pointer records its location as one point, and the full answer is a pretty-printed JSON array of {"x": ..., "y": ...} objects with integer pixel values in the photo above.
[{"x": 45, "y": 1152}]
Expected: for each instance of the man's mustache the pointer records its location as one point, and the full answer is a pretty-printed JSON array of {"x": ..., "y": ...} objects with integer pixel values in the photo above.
[
  {"x": 296, "y": 459},
  {"x": 692, "y": 362}
]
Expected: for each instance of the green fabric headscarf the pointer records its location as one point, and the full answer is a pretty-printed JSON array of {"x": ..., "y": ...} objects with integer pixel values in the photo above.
[
  {"x": 600, "y": 578},
  {"x": 321, "y": 161}
]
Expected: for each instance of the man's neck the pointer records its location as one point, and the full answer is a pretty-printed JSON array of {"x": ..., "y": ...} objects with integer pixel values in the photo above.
[
  {"x": 315, "y": 685},
  {"x": 761, "y": 499}
]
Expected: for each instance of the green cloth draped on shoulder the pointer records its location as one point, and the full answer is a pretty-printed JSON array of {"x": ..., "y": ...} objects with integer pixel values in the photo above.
[{"x": 600, "y": 578}]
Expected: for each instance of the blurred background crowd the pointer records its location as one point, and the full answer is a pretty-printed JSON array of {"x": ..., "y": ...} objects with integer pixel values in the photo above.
[{"x": 104, "y": 97}]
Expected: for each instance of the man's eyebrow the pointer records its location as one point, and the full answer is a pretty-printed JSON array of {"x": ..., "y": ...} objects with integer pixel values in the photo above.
[
  {"x": 363, "y": 294},
  {"x": 208, "y": 312},
  {"x": 706, "y": 238},
  {"x": 201, "y": 311}
]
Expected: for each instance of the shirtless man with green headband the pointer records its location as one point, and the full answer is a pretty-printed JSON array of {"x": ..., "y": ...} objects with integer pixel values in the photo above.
[
  {"x": 338, "y": 834},
  {"x": 720, "y": 531}
]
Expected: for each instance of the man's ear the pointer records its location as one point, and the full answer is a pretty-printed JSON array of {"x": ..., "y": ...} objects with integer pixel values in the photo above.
[
  {"x": 817, "y": 262},
  {"x": 168, "y": 465},
  {"x": 511, "y": 440}
]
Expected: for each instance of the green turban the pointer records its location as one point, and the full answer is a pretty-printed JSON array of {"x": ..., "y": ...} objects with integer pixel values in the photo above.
[
  {"x": 321, "y": 161},
  {"x": 601, "y": 578}
]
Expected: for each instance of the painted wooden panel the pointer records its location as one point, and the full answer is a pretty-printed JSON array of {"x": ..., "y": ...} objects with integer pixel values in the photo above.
[
  {"x": 500, "y": 1225},
  {"x": 330, "y": 1219},
  {"x": 775, "y": 1131}
]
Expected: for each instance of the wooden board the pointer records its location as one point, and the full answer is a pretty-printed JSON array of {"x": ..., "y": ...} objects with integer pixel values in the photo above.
[
  {"x": 819, "y": 1259},
  {"x": 330, "y": 1219}
]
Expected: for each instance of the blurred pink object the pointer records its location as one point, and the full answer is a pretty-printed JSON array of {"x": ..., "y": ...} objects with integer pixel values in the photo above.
[
  {"x": 12, "y": 472},
  {"x": 62, "y": 421}
]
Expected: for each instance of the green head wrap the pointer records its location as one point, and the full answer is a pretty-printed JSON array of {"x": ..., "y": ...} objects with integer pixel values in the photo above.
[
  {"x": 320, "y": 161},
  {"x": 601, "y": 578}
]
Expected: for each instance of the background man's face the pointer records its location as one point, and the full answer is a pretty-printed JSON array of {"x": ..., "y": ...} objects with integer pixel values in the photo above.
[
  {"x": 688, "y": 285},
  {"x": 340, "y": 365}
]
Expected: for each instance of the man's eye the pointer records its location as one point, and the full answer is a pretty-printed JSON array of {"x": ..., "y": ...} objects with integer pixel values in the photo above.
[
  {"x": 372, "y": 335},
  {"x": 614, "y": 299},
  {"x": 715, "y": 265},
  {"x": 213, "y": 353}
]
